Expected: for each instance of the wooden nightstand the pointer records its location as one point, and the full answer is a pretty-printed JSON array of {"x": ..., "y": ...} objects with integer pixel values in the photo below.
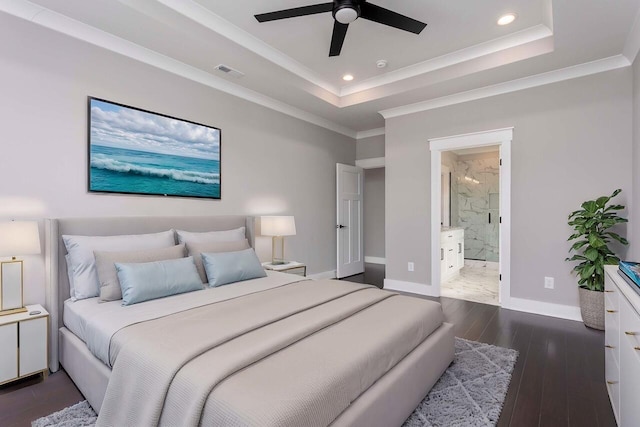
[
  {"x": 292, "y": 267},
  {"x": 24, "y": 344}
]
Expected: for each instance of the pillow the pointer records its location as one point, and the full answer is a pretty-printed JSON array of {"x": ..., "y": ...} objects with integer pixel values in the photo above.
[
  {"x": 80, "y": 250},
  {"x": 106, "y": 268},
  {"x": 211, "y": 236},
  {"x": 195, "y": 250},
  {"x": 70, "y": 276},
  {"x": 150, "y": 280},
  {"x": 228, "y": 267}
]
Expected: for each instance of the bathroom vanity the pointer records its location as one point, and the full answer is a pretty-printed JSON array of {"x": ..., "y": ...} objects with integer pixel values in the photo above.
[{"x": 451, "y": 251}]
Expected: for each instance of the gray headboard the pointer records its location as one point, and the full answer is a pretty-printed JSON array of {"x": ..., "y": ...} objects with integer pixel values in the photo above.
[{"x": 57, "y": 291}]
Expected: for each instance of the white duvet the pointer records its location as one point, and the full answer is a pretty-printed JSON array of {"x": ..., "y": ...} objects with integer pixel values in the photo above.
[{"x": 96, "y": 323}]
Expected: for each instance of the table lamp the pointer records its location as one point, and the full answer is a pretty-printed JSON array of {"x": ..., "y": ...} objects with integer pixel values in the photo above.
[
  {"x": 16, "y": 238},
  {"x": 277, "y": 227}
]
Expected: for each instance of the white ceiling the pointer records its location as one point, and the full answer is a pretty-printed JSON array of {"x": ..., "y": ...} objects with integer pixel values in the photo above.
[{"x": 461, "y": 53}]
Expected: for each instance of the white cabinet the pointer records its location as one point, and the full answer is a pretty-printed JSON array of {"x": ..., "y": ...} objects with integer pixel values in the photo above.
[
  {"x": 622, "y": 348},
  {"x": 451, "y": 252},
  {"x": 23, "y": 344}
]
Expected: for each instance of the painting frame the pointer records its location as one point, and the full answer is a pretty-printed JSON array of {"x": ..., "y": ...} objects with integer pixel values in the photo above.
[{"x": 195, "y": 173}]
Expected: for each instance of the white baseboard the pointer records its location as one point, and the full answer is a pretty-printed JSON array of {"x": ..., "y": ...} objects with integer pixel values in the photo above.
[
  {"x": 411, "y": 287},
  {"x": 375, "y": 260},
  {"x": 324, "y": 275},
  {"x": 560, "y": 311}
]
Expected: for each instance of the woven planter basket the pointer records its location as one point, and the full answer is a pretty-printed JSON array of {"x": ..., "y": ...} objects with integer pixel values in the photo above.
[{"x": 592, "y": 308}]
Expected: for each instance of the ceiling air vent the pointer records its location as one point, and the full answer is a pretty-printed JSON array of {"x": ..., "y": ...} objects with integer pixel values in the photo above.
[{"x": 229, "y": 71}]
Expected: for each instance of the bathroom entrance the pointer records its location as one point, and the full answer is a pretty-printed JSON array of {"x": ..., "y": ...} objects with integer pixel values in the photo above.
[
  {"x": 470, "y": 224},
  {"x": 470, "y": 220}
]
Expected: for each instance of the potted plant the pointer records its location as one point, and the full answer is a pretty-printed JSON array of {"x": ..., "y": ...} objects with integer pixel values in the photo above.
[{"x": 591, "y": 238}]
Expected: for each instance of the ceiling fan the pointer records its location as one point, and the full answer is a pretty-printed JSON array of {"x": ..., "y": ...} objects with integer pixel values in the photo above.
[{"x": 345, "y": 12}]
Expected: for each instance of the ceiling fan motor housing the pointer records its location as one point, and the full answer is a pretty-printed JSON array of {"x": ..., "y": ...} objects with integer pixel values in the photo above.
[{"x": 346, "y": 11}]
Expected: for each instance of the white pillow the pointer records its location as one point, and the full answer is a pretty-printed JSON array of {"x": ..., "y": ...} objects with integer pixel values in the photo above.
[
  {"x": 83, "y": 262},
  {"x": 70, "y": 276},
  {"x": 211, "y": 236}
]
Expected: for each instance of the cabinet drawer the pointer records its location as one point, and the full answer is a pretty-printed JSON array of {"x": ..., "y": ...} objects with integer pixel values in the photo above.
[
  {"x": 611, "y": 294},
  {"x": 612, "y": 332},
  {"x": 9, "y": 353}
]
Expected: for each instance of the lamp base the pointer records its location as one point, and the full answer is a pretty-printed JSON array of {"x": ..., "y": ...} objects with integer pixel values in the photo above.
[
  {"x": 279, "y": 262},
  {"x": 13, "y": 311}
]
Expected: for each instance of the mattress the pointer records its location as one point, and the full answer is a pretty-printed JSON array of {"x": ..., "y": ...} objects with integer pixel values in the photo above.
[{"x": 96, "y": 322}]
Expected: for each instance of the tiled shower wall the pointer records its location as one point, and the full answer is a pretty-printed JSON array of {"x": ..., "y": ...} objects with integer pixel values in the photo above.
[{"x": 477, "y": 179}]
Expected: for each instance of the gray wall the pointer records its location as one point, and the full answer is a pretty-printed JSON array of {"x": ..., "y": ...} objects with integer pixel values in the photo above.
[
  {"x": 374, "y": 212},
  {"x": 634, "y": 221},
  {"x": 271, "y": 163},
  {"x": 370, "y": 148},
  {"x": 572, "y": 142}
]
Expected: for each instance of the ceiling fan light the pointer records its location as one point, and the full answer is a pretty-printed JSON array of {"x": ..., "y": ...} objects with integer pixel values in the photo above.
[{"x": 346, "y": 15}]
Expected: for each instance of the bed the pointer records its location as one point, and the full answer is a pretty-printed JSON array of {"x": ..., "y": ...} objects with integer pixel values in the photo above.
[{"x": 290, "y": 351}]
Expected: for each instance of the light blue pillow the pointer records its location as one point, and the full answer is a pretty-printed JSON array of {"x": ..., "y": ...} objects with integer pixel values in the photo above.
[
  {"x": 228, "y": 267},
  {"x": 150, "y": 280}
]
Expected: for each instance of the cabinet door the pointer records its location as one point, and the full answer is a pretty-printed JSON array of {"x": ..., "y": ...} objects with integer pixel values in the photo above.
[
  {"x": 444, "y": 271},
  {"x": 451, "y": 256},
  {"x": 33, "y": 346},
  {"x": 8, "y": 352},
  {"x": 629, "y": 365}
]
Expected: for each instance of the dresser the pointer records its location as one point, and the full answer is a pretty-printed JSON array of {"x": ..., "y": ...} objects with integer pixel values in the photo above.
[
  {"x": 622, "y": 347},
  {"x": 451, "y": 252}
]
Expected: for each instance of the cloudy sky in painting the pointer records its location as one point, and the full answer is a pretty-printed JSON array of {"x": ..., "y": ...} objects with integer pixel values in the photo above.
[{"x": 122, "y": 127}]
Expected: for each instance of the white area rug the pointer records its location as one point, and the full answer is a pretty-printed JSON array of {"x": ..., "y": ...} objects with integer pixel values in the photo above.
[{"x": 470, "y": 392}]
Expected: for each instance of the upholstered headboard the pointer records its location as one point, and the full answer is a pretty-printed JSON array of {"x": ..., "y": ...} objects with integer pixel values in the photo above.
[{"x": 57, "y": 291}]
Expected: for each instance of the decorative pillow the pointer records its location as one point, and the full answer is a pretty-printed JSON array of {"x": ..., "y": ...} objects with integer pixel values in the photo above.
[
  {"x": 80, "y": 250},
  {"x": 152, "y": 280},
  {"x": 106, "y": 268},
  {"x": 195, "y": 250},
  {"x": 229, "y": 267},
  {"x": 211, "y": 236}
]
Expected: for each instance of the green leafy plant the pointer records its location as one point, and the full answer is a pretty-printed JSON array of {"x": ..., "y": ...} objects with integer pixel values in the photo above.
[{"x": 590, "y": 225}]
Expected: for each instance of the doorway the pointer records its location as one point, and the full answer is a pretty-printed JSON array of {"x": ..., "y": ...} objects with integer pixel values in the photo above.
[
  {"x": 471, "y": 233},
  {"x": 470, "y": 224}
]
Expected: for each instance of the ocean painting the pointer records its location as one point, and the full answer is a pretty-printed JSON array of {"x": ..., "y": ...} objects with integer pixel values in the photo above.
[{"x": 136, "y": 151}]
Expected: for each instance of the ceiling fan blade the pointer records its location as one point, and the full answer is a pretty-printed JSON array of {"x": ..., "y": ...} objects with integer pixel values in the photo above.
[
  {"x": 388, "y": 17},
  {"x": 296, "y": 11},
  {"x": 337, "y": 39}
]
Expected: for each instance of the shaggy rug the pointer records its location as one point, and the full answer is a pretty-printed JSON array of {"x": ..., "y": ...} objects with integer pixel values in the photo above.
[{"x": 470, "y": 392}]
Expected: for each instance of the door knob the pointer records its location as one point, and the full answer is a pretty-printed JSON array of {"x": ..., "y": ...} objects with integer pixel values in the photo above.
[{"x": 340, "y": 226}]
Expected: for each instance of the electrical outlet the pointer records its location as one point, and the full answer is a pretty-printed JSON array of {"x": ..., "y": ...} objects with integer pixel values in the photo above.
[
  {"x": 410, "y": 266},
  {"x": 549, "y": 283}
]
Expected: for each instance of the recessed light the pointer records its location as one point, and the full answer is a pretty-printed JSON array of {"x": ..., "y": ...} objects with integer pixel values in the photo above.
[
  {"x": 347, "y": 77},
  {"x": 507, "y": 19}
]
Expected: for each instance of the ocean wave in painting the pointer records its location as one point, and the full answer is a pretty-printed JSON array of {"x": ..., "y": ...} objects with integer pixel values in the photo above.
[{"x": 101, "y": 161}]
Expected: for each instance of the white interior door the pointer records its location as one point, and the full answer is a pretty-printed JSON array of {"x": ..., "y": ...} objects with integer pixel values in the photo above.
[{"x": 350, "y": 189}]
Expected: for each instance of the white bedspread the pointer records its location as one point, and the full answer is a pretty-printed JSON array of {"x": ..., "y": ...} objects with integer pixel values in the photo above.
[{"x": 96, "y": 323}]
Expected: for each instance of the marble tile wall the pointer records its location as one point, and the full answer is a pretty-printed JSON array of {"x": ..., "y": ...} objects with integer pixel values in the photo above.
[{"x": 477, "y": 184}]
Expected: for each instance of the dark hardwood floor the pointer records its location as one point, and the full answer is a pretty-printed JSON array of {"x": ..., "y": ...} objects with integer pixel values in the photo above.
[{"x": 558, "y": 379}]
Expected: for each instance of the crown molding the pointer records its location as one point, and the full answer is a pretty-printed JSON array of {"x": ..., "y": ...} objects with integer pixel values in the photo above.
[
  {"x": 205, "y": 17},
  {"x": 573, "y": 72},
  {"x": 519, "y": 38},
  {"x": 369, "y": 133},
  {"x": 86, "y": 33},
  {"x": 632, "y": 44}
]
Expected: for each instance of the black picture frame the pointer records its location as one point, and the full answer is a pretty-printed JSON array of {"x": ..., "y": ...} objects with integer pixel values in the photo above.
[{"x": 137, "y": 151}]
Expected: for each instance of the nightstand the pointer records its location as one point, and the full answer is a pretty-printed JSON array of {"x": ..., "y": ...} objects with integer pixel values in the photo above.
[
  {"x": 292, "y": 267},
  {"x": 24, "y": 344}
]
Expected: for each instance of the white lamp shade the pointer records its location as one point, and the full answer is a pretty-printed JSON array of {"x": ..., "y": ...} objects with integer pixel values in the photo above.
[
  {"x": 277, "y": 226},
  {"x": 19, "y": 238}
]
